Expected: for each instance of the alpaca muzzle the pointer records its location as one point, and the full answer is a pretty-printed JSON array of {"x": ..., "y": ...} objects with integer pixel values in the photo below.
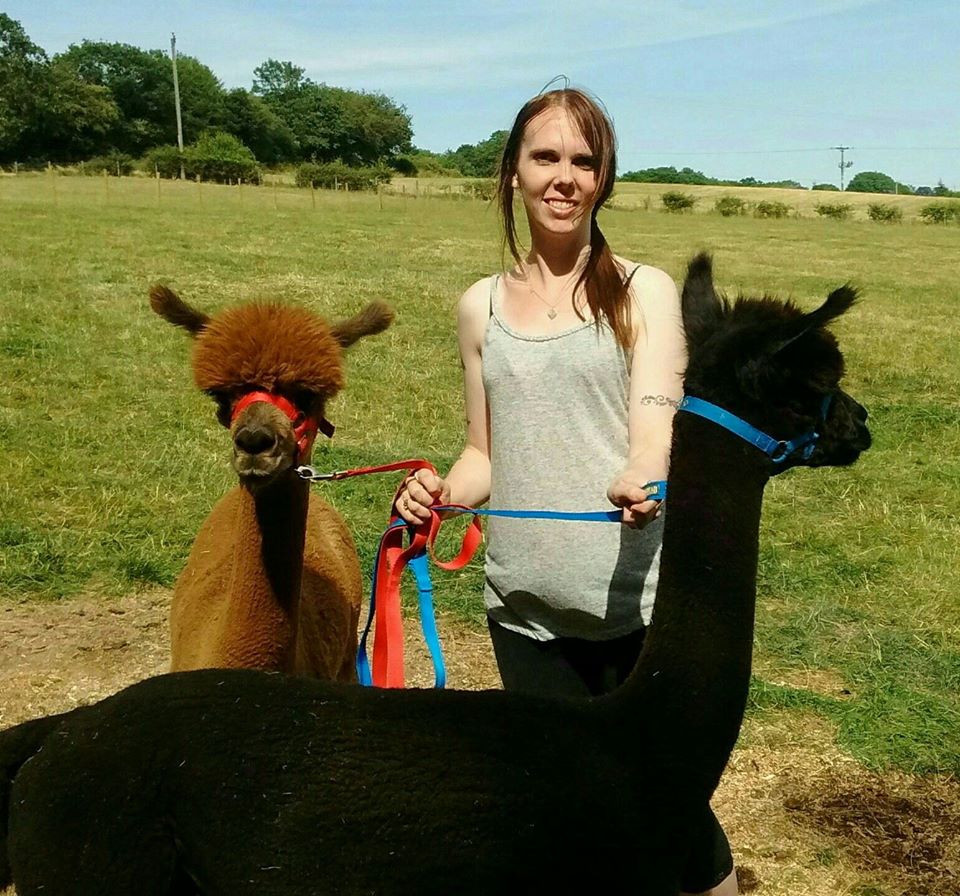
[{"x": 305, "y": 427}]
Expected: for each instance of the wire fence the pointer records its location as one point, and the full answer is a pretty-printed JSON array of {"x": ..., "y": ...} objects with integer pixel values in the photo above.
[{"x": 279, "y": 192}]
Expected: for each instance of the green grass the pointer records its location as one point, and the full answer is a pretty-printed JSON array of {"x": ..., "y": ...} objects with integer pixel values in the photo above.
[{"x": 111, "y": 459}]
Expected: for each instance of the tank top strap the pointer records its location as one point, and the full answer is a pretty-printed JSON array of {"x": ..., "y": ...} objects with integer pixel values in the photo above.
[{"x": 494, "y": 281}]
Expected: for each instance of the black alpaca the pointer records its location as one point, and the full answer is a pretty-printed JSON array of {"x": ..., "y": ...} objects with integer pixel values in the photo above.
[{"x": 240, "y": 782}]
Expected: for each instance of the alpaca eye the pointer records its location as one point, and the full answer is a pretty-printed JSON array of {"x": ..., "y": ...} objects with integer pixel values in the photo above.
[{"x": 303, "y": 400}]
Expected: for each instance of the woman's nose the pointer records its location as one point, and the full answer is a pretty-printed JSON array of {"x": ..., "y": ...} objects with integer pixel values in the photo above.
[{"x": 564, "y": 173}]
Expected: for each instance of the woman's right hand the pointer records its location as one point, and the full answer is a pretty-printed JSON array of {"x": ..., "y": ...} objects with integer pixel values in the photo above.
[{"x": 419, "y": 492}]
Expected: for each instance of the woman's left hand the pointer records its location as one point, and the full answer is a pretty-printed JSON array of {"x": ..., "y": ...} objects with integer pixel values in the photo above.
[{"x": 627, "y": 491}]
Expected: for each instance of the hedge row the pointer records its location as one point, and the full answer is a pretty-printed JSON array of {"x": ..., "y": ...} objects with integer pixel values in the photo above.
[
  {"x": 732, "y": 206},
  {"x": 336, "y": 175}
]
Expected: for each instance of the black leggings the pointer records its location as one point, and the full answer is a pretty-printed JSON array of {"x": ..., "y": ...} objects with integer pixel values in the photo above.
[{"x": 572, "y": 667}]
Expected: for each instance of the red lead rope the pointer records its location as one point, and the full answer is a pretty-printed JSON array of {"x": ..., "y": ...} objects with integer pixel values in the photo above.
[{"x": 392, "y": 557}]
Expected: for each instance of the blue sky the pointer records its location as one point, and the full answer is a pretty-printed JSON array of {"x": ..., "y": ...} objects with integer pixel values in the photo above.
[{"x": 758, "y": 88}]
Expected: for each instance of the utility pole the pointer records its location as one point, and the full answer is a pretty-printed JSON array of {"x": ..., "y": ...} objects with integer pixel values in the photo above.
[
  {"x": 843, "y": 165},
  {"x": 176, "y": 101}
]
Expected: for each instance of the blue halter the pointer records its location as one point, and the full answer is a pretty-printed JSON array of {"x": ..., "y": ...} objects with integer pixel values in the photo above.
[{"x": 783, "y": 454}]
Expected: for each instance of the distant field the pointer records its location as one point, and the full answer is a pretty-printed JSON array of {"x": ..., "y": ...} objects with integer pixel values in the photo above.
[
  {"x": 633, "y": 197},
  {"x": 111, "y": 460}
]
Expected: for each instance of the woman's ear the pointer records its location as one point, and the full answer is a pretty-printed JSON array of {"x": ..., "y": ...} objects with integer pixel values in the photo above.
[{"x": 515, "y": 182}]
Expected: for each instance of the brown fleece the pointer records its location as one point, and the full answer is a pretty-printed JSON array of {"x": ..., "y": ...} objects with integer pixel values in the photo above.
[{"x": 273, "y": 580}]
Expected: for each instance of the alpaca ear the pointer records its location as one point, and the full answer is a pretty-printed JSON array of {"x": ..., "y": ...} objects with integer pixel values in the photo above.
[
  {"x": 837, "y": 303},
  {"x": 172, "y": 308},
  {"x": 702, "y": 307},
  {"x": 375, "y": 318}
]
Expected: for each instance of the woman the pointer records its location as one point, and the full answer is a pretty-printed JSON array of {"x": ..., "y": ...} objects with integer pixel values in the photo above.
[{"x": 573, "y": 363}]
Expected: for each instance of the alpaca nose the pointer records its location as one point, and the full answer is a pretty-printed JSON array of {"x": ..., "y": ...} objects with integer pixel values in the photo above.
[{"x": 255, "y": 439}]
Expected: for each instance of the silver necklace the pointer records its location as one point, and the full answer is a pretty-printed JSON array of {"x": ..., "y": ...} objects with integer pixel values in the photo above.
[{"x": 551, "y": 306}]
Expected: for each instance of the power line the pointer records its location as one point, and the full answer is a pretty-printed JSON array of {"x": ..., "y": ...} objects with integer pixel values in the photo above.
[{"x": 763, "y": 152}]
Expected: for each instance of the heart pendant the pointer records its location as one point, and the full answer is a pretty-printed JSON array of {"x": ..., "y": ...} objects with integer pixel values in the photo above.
[{"x": 552, "y": 313}]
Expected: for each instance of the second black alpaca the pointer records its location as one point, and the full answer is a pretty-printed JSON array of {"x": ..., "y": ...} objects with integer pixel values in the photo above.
[{"x": 239, "y": 782}]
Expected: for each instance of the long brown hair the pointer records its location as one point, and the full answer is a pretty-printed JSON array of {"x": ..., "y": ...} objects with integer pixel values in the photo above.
[{"x": 601, "y": 278}]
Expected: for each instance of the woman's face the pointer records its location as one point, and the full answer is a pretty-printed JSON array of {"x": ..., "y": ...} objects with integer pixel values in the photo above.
[{"x": 556, "y": 175}]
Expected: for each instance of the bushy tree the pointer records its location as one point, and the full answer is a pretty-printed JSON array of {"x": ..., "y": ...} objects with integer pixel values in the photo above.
[
  {"x": 872, "y": 182},
  {"x": 257, "y": 126},
  {"x": 839, "y": 211},
  {"x": 941, "y": 189},
  {"x": 21, "y": 65},
  {"x": 74, "y": 119},
  {"x": 730, "y": 206},
  {"x": 478, "y": 159},
  {"x": 767, "y": 209},
  {"x": 115, "y": 164},
  {"x": 940, "y": 212},
  {"x": 675, "y": 201},
  {"x": 216, "y": 155},
  {"x": 785, "y": 184},
  {"x": 276, "y": 79},
  {"x": 833, "y": 188},
  {"x": 331, "y": 123},
  {"x": 163, "y": 160},
  {"x": 202, "y": 97},
  {"x": 667, "y": 175},
  {"x": 883, "y": 213},
  {"x": 46, "y": 111},
  {"x": 141, "y": 84}
]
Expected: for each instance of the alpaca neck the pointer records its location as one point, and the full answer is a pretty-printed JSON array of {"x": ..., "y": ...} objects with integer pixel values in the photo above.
[
  {"x": 264, "y": 590},
  {"x": 691, "y": 680}
]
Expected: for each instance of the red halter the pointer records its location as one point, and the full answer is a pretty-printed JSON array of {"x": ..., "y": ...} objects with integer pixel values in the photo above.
[{"x": 304, "y": 427}]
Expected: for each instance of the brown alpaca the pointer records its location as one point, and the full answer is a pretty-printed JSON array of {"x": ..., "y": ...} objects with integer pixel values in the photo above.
[{"x": 273, "y": 580}]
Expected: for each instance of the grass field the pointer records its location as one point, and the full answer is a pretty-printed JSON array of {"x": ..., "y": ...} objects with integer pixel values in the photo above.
[{"x": 112, "y": 460}]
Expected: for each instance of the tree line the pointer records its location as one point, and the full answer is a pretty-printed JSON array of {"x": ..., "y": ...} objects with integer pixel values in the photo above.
[
  {"x": 116, "y": 101},
  {"x": 863, "y": 182},
  {"x": 98, "y": 98}
]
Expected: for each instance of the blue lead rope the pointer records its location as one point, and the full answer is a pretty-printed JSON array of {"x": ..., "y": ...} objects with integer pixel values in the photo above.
[{"x": 419, "y": 565}]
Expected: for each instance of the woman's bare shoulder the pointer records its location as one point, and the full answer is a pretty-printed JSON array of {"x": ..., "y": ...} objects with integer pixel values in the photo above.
[
  {"x": 473, "y": 309},
  {"x": 651, "y": 285}
]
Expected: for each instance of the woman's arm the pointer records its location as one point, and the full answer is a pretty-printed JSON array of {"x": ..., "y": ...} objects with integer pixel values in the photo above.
[
  {"x": 468, "y": 481},
  {"x": 656, "y": 385}
]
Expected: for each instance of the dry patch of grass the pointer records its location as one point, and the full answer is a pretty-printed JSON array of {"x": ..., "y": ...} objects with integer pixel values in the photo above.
[{"x": 806, "y": 818}]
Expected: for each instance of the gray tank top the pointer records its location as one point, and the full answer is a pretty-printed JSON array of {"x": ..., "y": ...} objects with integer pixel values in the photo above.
[{"x": 558, "y": 412}]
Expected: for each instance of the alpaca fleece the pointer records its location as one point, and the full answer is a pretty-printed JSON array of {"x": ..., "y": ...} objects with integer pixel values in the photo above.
[{"x": 243, "y": 783}]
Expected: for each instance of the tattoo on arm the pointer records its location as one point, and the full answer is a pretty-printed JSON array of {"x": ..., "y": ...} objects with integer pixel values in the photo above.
[{"x": 659, "y": 400}]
